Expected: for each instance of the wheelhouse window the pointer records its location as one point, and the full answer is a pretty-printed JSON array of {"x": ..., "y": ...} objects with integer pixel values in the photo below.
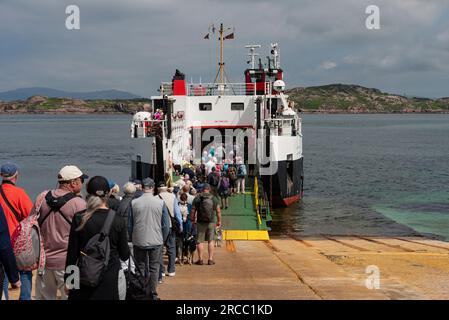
[
  {"x": 238, "y": 106},
  {"x": 205, "y": 106}
]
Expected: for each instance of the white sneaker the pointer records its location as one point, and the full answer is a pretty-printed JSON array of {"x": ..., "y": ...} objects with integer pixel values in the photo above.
[{"x": 171, "y": 274}]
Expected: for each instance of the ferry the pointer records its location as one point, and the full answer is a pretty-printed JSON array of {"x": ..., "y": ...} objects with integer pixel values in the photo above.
[{"x": 252, "y": 122}]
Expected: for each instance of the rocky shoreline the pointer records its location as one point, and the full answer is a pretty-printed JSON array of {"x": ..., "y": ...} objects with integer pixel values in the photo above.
[
  {"x": 328, "y": 99},
  {"x": 44, "y": 105}
]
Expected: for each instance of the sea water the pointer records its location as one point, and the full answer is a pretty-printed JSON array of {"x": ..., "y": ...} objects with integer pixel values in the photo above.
[{"x": 380, "y": 175}]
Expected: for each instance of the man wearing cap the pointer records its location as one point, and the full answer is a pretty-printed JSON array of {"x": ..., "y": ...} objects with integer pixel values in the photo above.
[
  {"x": 19, "y": 200},
  {"x": 58, "y": 208},
  {"x": 16, "y": 205},
  {"x": 149, "y": 227},
  {"x": 138, "y": 185},
  {"x": 175, "y": 213}
]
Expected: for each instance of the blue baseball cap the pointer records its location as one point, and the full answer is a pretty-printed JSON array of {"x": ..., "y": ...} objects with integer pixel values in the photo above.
[
  {"x": 9, "y": 169},
  {"x": 111, "y": 184}
]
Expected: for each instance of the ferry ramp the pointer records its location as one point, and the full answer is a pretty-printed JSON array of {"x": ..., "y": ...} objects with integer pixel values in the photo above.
[{"x": 247, "y": 216}]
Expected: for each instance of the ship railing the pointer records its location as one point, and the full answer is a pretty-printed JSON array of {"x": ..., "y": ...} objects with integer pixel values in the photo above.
[
  {"x": 283, "y": 126},
  {"x": 256, "y": 200},
  {"x": 221, "y": 89},
  {"x": 261, "y": 202},
  {"x": 166, "y": 88},
  {"x": 148, "y": 128}
]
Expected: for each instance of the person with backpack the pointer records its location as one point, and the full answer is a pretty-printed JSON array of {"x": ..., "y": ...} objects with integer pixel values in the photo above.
[
  {"x": 171, "y": 202},
  {"x": 150, "y": 224},
  {"x": 205, "y": 208},
  {"x": 124, "y": 207},
  {"x": 232, "y": 180},
  {"x": 223, "y": 190},
  {"x": 213, "y": 179},
  {"x": 16, "y": 205},
  {"x": 56, "y": 209},
  {"x": 241, "y": 175},
  {"x": 7, "y": 260},
  {"x": 184, "y": 208},
  {"x": 97, "y": 243}
]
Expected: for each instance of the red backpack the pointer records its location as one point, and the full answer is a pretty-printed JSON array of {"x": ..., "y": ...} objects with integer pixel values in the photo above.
[{"x": 27, "y": 243}]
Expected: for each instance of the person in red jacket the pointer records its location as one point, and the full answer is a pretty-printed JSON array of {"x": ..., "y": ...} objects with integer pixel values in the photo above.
[
  {"x": 16, "y": 205},
  {"x": 20, "y": 204}
]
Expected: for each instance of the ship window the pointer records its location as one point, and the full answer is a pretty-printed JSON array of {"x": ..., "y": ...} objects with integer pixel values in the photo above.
[
  {"x": 205, "y": 106},
  {"x": 237, "y": 106}
]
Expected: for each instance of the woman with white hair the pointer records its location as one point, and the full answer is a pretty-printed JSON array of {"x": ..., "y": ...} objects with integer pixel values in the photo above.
[
  {"x": 124, "y": 208},
  {"x": 114, "y": 198}
]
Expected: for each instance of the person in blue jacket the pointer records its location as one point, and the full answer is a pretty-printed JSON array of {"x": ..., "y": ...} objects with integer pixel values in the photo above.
[{"x": 7, "y": 259}]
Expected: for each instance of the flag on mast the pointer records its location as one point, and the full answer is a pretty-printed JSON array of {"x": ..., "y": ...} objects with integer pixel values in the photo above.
[
  {"x": 230, "y": 36},
  {"x": 206, "y": 36}
]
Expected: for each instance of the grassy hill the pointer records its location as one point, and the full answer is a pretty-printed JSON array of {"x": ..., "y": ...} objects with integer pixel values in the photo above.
[
  {"x": 333, "y": 98},
  {"x": 25, "y": 93},
  {"x": 342, "y": 98},
  {"x": 40, "y": 104}
]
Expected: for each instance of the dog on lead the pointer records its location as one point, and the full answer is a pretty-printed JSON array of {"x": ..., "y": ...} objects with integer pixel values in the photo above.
[
  {"x": 189, "y": 248},
  {"x": 218, "y": 237}
]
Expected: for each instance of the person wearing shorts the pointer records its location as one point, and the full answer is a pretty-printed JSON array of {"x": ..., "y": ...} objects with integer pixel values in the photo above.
[{"x": 206, "y": 230}]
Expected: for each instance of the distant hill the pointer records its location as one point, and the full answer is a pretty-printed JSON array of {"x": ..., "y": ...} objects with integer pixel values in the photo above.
[
  {"x": 344, "y": 98},
  {"x": 45, "y": 105},
  {"x": 333, "y": 98},
  {"x": 25, "y": 93}
]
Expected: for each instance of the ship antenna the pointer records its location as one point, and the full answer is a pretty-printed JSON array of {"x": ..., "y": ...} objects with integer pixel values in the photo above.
[
  {"x": 252, "y": 53},
  {"x": 276, "y": 56}
]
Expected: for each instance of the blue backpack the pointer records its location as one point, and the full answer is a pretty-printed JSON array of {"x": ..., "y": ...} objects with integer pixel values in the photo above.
[{"x": 241, "y": 171}]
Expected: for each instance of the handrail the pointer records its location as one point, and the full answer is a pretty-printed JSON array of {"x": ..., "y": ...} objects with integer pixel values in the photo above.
[{"x": 256, "y": 200}]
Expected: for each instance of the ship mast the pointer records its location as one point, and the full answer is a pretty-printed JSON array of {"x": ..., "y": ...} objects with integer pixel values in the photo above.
[
  {"x": 221, "y": 73},
  {"x": 221, "y": 64}
]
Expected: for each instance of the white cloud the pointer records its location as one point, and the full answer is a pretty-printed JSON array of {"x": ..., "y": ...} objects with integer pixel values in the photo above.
[
  {"x": 327, "y": 65},
  {"x": 134, "y": 45}
]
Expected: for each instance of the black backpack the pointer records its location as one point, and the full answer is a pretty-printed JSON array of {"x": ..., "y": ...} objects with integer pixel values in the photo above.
[
  {"x": 95, "y": 258},
  {"x": 206, "y": 208},
  {"x": 175, "y": 226},
  {"x": 56, "y": 204},
  {"x": 214, "y": 179},
  {"x": 137, "y": 285}
]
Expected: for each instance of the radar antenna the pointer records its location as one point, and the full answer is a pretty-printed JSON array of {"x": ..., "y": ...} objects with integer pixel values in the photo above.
[
  {"x": 253, "y": 54},
  {"x": 276, "y": 57}
]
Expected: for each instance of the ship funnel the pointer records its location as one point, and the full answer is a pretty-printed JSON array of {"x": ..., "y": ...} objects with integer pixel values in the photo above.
[{"x": 179, "y": 84}]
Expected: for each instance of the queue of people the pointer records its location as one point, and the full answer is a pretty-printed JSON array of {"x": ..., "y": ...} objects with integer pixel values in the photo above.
[{"x": 149, "y": 220}]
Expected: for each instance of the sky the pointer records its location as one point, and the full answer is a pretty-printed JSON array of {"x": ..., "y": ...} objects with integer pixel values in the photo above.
[{"x": 133, "y": 45}]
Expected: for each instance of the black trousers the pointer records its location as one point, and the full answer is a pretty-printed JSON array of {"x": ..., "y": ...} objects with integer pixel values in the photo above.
[{"x": 2, "y": 278}]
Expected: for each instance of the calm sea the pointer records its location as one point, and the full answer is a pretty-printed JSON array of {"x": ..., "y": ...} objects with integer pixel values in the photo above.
[{"x": 385, "y": 175}]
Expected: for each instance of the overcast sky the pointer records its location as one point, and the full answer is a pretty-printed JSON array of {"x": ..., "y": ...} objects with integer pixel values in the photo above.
[{"x": 132, "y": 45}]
